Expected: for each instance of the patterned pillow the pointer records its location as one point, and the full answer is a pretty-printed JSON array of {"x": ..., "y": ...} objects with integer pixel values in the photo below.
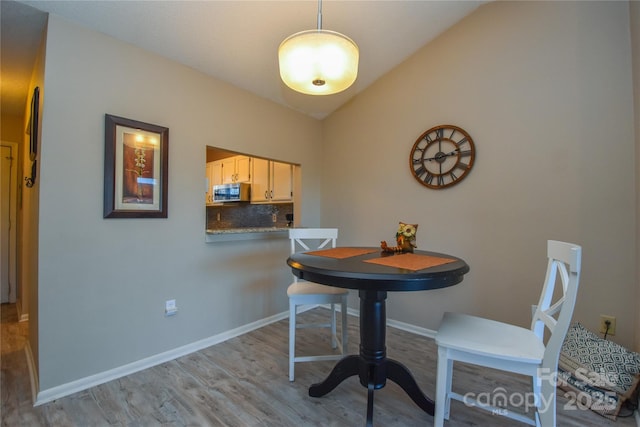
[{"x": 599, "y": 374}]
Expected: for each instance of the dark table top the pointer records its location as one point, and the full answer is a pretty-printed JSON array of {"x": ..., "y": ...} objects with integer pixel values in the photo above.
[{"x": 353, "y": 273}]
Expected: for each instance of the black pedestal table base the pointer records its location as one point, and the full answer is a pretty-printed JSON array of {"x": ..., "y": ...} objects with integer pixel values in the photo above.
[
  {"x": 373, "y": 281},
  {"x": 371, "y": 365}
]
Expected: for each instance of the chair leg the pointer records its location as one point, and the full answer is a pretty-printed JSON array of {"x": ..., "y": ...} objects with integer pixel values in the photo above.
[
  {"x": 292, "y": 338},
  {"x": 536, "y": 382},
  {"x": 443, "y": 387},
  {"x": 334, "y": 342},
  {"x": 345, "y": 340},
  {"x": 547, "y": 403}
]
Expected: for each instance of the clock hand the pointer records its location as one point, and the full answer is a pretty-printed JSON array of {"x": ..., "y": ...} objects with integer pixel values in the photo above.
[{"x": 440, "y": 156}]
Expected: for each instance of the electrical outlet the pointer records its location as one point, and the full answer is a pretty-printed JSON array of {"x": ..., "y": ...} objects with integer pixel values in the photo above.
[
  {"x": 274, "y": 217},
  {"x": 603, "y": 324},
  {"x": 218, "y": 216},
  {"x": 170, "y": 307}
]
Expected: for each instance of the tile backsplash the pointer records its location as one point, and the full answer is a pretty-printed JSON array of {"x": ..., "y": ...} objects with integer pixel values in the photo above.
[{"x": 247, "y": 215}]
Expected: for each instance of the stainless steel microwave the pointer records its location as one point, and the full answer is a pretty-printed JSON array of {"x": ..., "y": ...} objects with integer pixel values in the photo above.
[{"x": 235, "y": 192}]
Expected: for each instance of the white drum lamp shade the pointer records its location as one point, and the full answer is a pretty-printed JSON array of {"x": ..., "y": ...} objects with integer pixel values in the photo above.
[{"x": 318, "y": 62}]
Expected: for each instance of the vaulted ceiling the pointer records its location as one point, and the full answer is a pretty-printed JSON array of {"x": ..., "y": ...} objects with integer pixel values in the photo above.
[{"x": 234, "y": 41}]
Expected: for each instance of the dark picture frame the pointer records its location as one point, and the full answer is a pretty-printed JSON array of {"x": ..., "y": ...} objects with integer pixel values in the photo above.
[
  {"x": 33, "y": 124},
  {"x": 136, "y": 168},
  {"x": 32, "y": 131}
]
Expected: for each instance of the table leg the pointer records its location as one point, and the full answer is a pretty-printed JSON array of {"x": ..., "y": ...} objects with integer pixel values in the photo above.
[
  {"x": 370, "y": 389},
  {"x": 371, "y": 365},
  {"x": 373, "y": 350},
  {"x": 400, "y": 375},
  {"x": 345, "y": 368}
]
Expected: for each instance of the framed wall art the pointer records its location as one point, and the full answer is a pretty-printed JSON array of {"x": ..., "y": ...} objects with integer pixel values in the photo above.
[
  {"x": 136, "y": 163},
  {"x": 32, "y": 131},
  {"x": 33, "y": 124}
]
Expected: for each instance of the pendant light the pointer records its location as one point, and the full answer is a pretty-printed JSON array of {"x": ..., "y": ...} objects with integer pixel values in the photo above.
[{"x": 318, "y": 62}]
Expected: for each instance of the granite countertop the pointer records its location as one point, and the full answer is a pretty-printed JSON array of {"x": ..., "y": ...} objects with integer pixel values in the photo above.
[
  {"x": 246, "y": 233},
  {"x": 247, "y": 230}
]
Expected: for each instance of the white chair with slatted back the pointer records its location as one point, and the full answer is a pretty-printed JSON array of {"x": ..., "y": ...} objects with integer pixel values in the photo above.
[
  {"x": 512, "y": 348},
  {"x": 302, "y": 292}
]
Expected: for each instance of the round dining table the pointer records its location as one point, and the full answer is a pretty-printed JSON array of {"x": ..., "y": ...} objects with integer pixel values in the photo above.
[{"x": 375, "y": 273}]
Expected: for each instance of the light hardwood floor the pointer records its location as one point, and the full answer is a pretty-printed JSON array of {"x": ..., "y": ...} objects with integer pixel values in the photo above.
[{"x": 244, "y": 382}]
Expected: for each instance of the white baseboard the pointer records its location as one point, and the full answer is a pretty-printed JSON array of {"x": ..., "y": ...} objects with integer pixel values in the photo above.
[
  {"x": 418, "y": 330},
  {"x": 22, "y": 317},
  {"x": 57, "y": 392},
  {"x": 63, "y": 390}
]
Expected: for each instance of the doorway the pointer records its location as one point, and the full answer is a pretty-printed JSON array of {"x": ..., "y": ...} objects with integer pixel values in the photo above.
[{"x": 8, "y": 223}]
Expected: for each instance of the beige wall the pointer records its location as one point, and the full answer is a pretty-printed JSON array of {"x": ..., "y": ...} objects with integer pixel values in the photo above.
[
  {"x": 29, "y": 218},
  {"x": 634, "y": 9},
  {"x": 103, "y": 283},
  {"x": 539, "y": 104},
  {"x": 551, "y": 114}
]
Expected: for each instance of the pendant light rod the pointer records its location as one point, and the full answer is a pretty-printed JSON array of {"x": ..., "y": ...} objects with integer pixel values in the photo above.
[{"x": 319, "y": 15}]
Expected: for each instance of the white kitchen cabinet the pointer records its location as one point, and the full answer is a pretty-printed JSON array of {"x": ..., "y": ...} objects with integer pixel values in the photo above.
[
  {"x": 213, "y": 176},
  {"x": 281, "y": 182},
  {"x": 208, "y": 179},
  {"x": 272, "y": 181},
  {"x": 260, "y": 181},
  {"x": 216, "y": 176},
  {"x": 236, "y": 169}
]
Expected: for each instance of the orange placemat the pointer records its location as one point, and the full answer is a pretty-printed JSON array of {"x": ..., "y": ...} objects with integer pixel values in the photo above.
[
  {"x": 410, "y": 261},
  {"x": 340, "y": 253}
]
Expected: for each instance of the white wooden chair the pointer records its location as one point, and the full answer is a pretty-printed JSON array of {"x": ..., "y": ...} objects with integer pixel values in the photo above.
[
  {"x": 302, "y": 292},
  {"x": 512, "y": 348}
]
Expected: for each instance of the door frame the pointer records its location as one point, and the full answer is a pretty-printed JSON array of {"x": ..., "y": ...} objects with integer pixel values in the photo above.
[{"x": 13, "y": 218}]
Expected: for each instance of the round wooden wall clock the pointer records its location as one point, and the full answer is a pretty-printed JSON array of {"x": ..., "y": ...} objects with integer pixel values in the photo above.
[{"x": 442, "y": 156}]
